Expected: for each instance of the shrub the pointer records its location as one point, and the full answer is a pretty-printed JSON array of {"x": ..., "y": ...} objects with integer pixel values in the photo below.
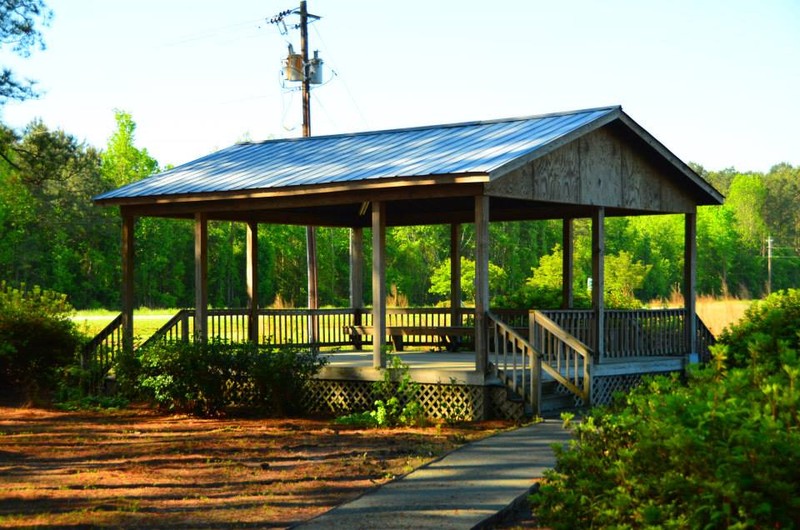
[
  {"x": 776, "y": 319},
  {"x": 37, "y": 339},
  {"x": 720, "y": 451},
  {"x": 216, "y": 377},
  {"x": 396, "y": 400}
]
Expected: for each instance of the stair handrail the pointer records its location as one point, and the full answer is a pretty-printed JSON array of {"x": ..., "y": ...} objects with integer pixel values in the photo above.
[
  {"x": 533, "y": 359},
  {"x": 181, "y": 317},
  {"x": 578, "y": 384},
  {"x": 99, "y": 354},
  {"x": 522, "y": 351}
]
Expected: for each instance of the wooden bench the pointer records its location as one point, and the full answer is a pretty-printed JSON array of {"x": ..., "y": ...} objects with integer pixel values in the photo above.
[{"x": 448, "y": 336}]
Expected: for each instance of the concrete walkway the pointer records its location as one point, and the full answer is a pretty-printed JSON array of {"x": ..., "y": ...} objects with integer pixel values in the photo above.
[{"x": 465, "y": 489}]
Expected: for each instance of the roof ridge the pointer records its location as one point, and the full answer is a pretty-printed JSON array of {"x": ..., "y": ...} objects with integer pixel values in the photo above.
[{"x": 435, "y": 126}]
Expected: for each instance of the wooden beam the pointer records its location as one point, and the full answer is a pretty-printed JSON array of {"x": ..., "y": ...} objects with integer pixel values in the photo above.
[
  {"x": 321, "y": 213},
  {"x": 378, "y": 283},
  {"x": 128, "y": 226},
  {"x": 481, "y": 282},
  {"x": 339, "y": 193},
  {"x": 252, "y": 281},
  {"x": 690, "y": 281},
  {"x": 567, "y": 265},
  {"x": 201, "y": 277},
  {"x": 598, "y": 280},
  {"x": 455, "y": 274}
]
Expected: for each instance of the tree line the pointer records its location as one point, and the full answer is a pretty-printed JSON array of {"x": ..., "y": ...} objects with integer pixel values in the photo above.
[{"x": 52, "y": 235}]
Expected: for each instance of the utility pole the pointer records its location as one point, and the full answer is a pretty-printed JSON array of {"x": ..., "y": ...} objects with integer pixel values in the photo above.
[
  {"x": 311, "y": 232},
  {"x": 299, "y": 68},
  {"x": 306, "y": 73}
]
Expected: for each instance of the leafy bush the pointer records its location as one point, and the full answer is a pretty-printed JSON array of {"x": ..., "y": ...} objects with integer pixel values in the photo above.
[
  {"x": 37, "y": 339},
  {"x": 720, "y": 451},
  {"x": 215, "y": 377},
  {"x": 396, "y": 402},
  {"x": 776, "y": 319}
]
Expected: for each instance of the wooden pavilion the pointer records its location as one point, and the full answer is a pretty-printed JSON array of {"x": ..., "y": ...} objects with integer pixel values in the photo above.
[{"x": 585, "y": 164}]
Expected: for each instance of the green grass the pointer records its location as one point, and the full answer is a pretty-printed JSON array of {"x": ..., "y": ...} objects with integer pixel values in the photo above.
[{"x": 145, "y": 321}]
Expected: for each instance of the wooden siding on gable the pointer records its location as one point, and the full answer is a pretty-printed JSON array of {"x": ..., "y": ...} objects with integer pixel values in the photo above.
[{"x": 597, "y": 169}]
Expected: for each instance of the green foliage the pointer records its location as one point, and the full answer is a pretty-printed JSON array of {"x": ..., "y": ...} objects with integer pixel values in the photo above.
[
  {"x": 416, "y": 248},
  {"x": 747, "y": 198},
  {"x": 123, "y": 162},
  {"x": 543, "y": 288},
  {"x": 766, "y": 326},
  {"x": 217, "y": 377},
  {"x": 52, "y": 235},
  {"x": 517, "y": 246},
  {"x": 623, "y": 277},
  {"x": 396, "y": 402},
  {"x": 37, "y": 339},
  {"x": 91, "y": 403},
  {"x": 440, "y": 280},
  {"x": 720, "y": 451}
]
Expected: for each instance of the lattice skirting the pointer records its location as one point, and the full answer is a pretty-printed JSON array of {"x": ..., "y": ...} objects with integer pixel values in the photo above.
[
  {"x": 604, "y": 388},
  {"x": 439, "y": 401},
  {"x": 450, "y": 402}
]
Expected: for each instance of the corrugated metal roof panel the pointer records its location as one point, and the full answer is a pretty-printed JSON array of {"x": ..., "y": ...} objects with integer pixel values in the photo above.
[{"x": 477, "y": 147}]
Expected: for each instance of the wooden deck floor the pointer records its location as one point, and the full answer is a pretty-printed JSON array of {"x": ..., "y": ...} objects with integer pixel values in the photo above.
[{"x": 459, "y": 367}]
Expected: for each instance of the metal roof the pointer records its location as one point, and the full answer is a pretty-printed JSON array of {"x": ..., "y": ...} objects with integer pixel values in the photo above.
[{"x": 456, "y": 149}]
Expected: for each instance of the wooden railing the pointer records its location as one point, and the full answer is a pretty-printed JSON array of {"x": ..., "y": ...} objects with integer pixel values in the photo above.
[
  {"x": 100, "y": 354},
  {"x": 179, "y": 327},
  {"x": 515, "y": 362},
  {"x": 520, "y": 363},
  {"x": 705, "y": 339},
  {"x": 564, "y": 357},
  {"x": 333, "y": 327},
  {"x": 637, "y": 333},
  {"x": 628, "y": 333},
  {"x": 577, "y": 322},
  {"x": 293, "y": 326}
]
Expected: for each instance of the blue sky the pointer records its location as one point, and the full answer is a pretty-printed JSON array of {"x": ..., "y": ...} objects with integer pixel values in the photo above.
[{"x": 718, "y": 82}]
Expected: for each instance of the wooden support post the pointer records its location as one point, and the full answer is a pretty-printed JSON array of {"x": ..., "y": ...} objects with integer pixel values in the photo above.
[
  {"x": 357, "y": 279},
  {"x": 598, "y": 281},
  {"x": 690, "y": 283},
  {"x": 252, "y": 282},
  {"x": 378, "y": 283},
  {"x": 357, "y": 268},
  {"x": 481, "y": 282},
  {"x": 567, "y": 265},
  {"x": 313, "y": 296},
  {"x": 201, "y": 277},
  {"x": 455, "y": 274},
  {"x": 128, "y": 225}
]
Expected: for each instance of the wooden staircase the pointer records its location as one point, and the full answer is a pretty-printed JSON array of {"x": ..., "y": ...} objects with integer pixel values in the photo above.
[{"x": 547, "y": 374}]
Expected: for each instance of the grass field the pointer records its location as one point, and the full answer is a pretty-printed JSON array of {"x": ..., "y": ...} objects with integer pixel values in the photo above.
[
  {"x": 716, "y": 313},
  {"x": 145, "y": 321}
]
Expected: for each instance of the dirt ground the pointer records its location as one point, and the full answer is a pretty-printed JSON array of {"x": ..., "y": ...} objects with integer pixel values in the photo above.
[{"x": 139, "y": 468}]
